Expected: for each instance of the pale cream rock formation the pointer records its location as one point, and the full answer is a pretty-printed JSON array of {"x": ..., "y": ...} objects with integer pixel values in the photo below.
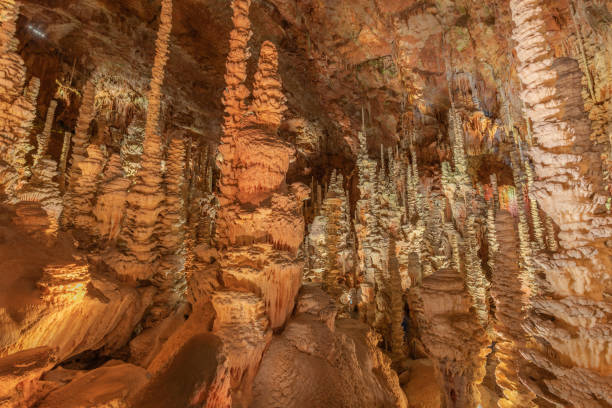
[{"x": 571, "y": 360}]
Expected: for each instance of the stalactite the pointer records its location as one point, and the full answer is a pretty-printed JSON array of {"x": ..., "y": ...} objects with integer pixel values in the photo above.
[{"x": 138, "y": 241}]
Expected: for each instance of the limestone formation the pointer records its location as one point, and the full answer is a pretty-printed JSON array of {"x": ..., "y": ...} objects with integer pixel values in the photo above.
[
  {"x": 80, "y": 141},
  {"x": 511, "y": 297},
  {"x": 570, "y": 194},
  {"x": 138, "y": 241},
  {"x": 110, "y": 200},
  {"x": 171, "y": 274},
  {"x": 17, "y": 105},
  {"x": 259, "y": 241},
  {"x": 451, "y": 335}
]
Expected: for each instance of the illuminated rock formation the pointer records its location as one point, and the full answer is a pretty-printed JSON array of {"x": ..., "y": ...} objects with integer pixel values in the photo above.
[
  {"x": 81, "y": 313},
  {"x": 42, "y": 188},
  {"x": 139, "y": 253},
  {"x": 259, "y": 241},
  {"x": 570, "y": 366},
  {"x": 20, "y": 372},
  {"x": 331, "y": 259},
  {"x": 131, "y": 148}
]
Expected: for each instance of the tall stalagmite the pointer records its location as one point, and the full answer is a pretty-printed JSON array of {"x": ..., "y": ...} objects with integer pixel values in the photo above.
[
  {"x": 171, "y": 275},
  {"x": 259, "y": 242},
  {"x": 571, "y": 363},
  {"x": 80, "y": 141},
  {"x": 138, "y": 241}
]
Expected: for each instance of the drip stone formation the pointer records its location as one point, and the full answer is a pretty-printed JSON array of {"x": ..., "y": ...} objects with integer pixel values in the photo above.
[{"x": 306, "y": 204}]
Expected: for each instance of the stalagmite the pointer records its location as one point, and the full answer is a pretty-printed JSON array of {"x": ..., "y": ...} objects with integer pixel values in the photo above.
[
  {"x": 259, "y": 241},
  {"x": 534, "y": 211},
  {"x": 171, "y": 275},
  {"x": 511, "y": 299},
  {"x": 80, "y": 142},
  {"x": 17, "y": 105},
  {"x": 453, "y": 248},
  {"x": 64, "y": 160},
  {"x": 139, "y": 253},
  {"x": 569, "y": 362},
  {"x": 110, "y": 199},
  {"x": 43, "y": 137},
  {"x": 84, "y": 188},
  {"x": 452, "y": 336}
]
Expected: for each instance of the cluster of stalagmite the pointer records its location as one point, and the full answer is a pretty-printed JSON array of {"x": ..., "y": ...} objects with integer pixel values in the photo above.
[
  {"x": 329, "y": 246},
  {"x": 197, "y": 283},
  {"x": 138, "y": 242},
  {"x": 570, "y": 357}
]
